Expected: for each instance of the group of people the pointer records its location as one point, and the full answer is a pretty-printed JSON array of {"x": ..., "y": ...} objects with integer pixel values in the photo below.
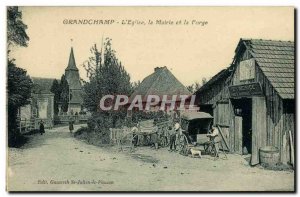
[
  {"x": 42, "y": 126},
  {"x": 176, "y": 138},
  {"x": 171, "y": 136}
]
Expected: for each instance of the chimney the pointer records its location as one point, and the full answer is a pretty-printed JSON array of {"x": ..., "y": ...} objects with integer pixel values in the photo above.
[{"x": 157, "y": 68}]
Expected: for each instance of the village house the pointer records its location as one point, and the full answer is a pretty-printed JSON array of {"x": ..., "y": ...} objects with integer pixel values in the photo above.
[
  {"x": 161, "y": 82},
  {"x": 41, "y": 105},
  {"x": 253, "y": 100}
]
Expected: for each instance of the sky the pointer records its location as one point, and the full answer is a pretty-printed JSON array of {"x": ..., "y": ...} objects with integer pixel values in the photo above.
[{"x": 190, "y": 51}]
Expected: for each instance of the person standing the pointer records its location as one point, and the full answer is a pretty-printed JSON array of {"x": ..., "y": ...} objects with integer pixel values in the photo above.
[
  {"x": 42, "y": 127},
  {"x": 154, "y": 138},
  {"x": 71, "y": 126},
  {"x": 213, "y": 135},
  {"x": 134, "y": 131},
  {"x": 173, "y": 133}
]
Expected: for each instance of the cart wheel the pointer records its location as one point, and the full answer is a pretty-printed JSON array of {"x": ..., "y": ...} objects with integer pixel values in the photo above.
[{"x": 213, "y": 150}]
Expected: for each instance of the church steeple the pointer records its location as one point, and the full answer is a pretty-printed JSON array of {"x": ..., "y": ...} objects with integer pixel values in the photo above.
[
  {"x": 72, "y": 73},
  {"x": 72, "y": 64}
]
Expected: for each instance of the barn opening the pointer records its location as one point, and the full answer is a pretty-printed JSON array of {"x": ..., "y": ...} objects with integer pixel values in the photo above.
[
  {"x": 208, "y": 108},
  {"x": 243, "y": 122}
]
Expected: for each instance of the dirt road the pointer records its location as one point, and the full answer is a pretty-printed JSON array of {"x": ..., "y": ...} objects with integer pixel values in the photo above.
[{"x": 58, "y": 162}]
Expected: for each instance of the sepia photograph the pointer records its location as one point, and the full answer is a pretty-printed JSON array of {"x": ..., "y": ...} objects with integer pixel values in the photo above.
[{"x": 150, "y": 99}]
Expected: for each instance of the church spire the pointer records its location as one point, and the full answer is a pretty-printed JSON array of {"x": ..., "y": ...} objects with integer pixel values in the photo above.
[{"x": 72, "y": 64}]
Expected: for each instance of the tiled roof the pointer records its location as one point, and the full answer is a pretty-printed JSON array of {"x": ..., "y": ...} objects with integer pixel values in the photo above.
[
  {"x": 42, "y": 85},
  {"x": 161, "y": 82},
  {"x": 276, "y": 60},
  {"x": 76, "y": 96},
  {"x": 220, "y": 75}
]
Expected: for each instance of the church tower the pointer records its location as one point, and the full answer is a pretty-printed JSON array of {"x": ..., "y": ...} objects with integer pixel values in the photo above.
[{"x": 75, "y": 91}]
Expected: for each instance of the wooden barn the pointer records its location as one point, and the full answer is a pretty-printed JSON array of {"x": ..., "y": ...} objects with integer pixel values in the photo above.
[{"x": 253, "y": 99}]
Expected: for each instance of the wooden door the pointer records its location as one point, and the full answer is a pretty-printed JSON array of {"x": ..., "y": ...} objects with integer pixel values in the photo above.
[{"x": 238, "y": 137}]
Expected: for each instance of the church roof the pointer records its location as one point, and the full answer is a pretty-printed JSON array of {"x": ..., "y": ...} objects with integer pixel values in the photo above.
[
  {"x": 72, "y": 63},
  {"x": 72, "y": 73},
  {"x": 76, "y": 97}
]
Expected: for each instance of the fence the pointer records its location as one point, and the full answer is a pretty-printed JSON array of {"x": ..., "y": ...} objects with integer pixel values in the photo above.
[
  {"x": 61, "y": 119},
  {"x": 26, "y": 125}
]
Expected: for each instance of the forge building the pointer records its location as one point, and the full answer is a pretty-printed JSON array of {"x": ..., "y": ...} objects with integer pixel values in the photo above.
[{"x": 253, "y": 100}]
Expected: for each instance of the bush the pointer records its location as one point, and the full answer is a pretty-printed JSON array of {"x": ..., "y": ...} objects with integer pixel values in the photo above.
[
  {"x": 16, "y": 140},
  {"x": 81, "y": 131},
  {"x": 100, "y": 123}
]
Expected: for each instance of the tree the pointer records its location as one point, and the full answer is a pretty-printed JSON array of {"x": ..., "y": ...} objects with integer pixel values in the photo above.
[
  {"x": 19, "y": 83},
  {"x": 190, "y": 88},
  {"x": 106, "y": 76},
  {"x": 16, "y": 29},
  {"x": 204, "y": 80},
  {"x": 194, "y": 87},
  {"x": 56, "y": 90},
  {"x": 136, "y": 84},
  {"x": 19, "y": 87},
  {"x": 64, "y": 94}
]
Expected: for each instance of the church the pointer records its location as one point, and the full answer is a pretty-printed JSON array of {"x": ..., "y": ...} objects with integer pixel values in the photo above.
[
  {"x": 41, "y": 107},
  {"x": 75, "y": 88}
]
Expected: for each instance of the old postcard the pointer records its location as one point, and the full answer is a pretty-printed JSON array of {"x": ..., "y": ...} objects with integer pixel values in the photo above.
[{"x": 150, "y": 99}]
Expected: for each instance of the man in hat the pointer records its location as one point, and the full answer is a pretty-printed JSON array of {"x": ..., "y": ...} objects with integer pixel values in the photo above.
[{"x": 173, "y": 134}]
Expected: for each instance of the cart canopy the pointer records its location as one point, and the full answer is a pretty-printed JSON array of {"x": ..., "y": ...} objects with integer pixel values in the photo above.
[{"x": 193, "y": 115}]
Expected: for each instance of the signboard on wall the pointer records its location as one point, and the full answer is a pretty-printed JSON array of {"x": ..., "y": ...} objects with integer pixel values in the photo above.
[
  {"x": 245, "y": 90},
  {"x": 247, "y": 69}
]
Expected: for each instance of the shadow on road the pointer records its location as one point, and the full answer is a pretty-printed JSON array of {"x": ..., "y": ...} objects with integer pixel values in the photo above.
[{"x": 37, "y": 140}]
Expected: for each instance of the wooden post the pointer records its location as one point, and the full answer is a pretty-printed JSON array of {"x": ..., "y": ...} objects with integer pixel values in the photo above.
[
  {"x": 259, "y": 128},
  {"x": 292, "y": 147},
  {"x": 238, "y": 137}
]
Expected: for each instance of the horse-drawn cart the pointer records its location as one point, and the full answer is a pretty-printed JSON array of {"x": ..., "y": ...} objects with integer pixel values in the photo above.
[
  {"x": 197, "y": 127},
  {"x": 144, "y": 134}
]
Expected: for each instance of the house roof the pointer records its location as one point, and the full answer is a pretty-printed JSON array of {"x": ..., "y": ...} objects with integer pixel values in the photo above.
[
  {"x": 276, "y": 60},
  {"x": 161, "y": 82},
  {"x": 42, "y": 85},
  {"x": 220, "y": 75}
]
